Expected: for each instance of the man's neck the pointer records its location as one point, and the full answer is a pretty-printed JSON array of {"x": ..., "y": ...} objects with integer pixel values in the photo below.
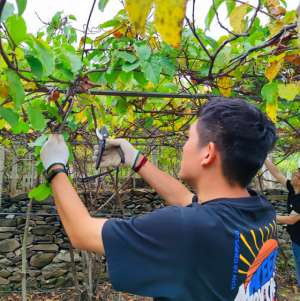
[{"x": 214, "y": 191}]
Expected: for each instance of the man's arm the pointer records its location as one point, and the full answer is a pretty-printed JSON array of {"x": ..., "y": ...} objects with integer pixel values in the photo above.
[
  {"x": 172, "y": 190},
  {"x": 288, "y": 219},
  {"x": 276, "y": 173},
  {"x": 84, "y": 232}
]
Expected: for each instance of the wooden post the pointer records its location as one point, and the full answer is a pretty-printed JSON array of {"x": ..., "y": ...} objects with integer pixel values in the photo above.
[
  {"x": 14, "y": 177},
  {"x": 2, "y": 158}
]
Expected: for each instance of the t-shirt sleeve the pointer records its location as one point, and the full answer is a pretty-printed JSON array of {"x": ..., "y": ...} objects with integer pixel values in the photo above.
[
  {"x": 145, "y": 254},
  {"x": 290, "y": 187}
]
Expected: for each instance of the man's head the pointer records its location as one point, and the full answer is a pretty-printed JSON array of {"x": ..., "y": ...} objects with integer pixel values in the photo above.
[
  {"x": 296, "y": 181},
  {"x": 230, "y": 139}
]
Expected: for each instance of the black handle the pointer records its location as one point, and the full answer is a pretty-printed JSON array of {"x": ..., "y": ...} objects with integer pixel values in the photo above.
[{"x": 102, "y": 143}]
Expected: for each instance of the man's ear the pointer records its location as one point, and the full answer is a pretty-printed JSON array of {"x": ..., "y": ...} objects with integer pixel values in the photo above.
[{"x": 209, "y": 154}]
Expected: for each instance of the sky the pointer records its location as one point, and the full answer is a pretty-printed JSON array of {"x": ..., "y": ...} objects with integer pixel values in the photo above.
[{"x": 81, "y": 8}]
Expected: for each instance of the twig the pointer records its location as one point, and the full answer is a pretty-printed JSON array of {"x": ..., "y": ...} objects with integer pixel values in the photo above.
[{"x": 87, "y": 27}]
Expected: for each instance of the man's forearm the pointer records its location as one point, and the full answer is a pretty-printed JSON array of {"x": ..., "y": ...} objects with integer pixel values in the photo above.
[
  {"x": 275, "y": 172},
  {"x": 172, "y": 190},
  {"x": 288, "y": 219},
  {"x": 75, "y": 217}
]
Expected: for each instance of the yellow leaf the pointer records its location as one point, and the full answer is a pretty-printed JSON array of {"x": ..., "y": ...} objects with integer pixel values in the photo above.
[
  {"x": 80, "y": 117},
  {"x": 271, "y": 109},
  {"x": 169, "y": 16},
  {"x": 288, "y": 91},
  {"x": 275, "y": 27},
  {"x": 273, "y": 69},
  {"x": 130, "y": 114},
  {"x": 236, "y": 18},
  {"x": 154, "y": 44},
  {"x": 30, "y": 86},
  {"x": 225, "y": 85},
  {"x": 138, "y": 12}
]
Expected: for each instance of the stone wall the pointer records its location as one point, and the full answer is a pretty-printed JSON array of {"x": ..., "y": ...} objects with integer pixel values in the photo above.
[{"x": 48, "y": 257}]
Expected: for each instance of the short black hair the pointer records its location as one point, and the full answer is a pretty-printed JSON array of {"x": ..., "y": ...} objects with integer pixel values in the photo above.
[{"x": 242, "y": 133}]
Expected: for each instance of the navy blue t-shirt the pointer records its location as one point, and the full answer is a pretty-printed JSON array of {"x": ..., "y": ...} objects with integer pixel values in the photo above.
[{"x": 223, "y": 250}]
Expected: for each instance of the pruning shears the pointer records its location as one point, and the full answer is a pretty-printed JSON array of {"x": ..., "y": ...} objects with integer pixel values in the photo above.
[{"x": 102, "y": 135}]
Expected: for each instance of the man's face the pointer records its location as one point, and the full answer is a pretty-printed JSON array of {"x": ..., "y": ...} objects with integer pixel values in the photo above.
[
  {"x": 194, "y": 157},
  {"x": 296, "y": 181}
]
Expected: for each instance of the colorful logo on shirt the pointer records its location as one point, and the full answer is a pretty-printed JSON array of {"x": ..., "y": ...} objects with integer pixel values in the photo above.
[{"x": 258, "y": 266}]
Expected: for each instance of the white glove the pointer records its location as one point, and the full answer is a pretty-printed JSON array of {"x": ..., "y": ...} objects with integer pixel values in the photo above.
[
  {"x": 111, "y": 156},
  {"x": 55, "y": 150}
]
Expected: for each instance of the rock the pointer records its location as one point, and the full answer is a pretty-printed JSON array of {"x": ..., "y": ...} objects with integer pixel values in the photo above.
[
  {"x": 32, "y": 283},
  {"x": 17, "y": 277},
  {"x": 45, "y": 238},
  {"x": 41, "y": 259},
  {"x": 6, "y": 235},
  {"x": 64, "y": 256},
  {"x": 5, "y": 262},
  {"x": 4, "y": 273},
  {"x": 7, "y": 222},
  {"x": 45, "y": 247},
  {"x": 21, "y": 220},
  {"x": 52, "y": 271},
  {"x": 42, "y": 230},
  {"x": 8, "y": 229},
  {"x": 10, "y": 255},
  {"x": 34, "y": 273},
  {"x": 3, "y": 281},
  {"x": 9, "y": 245}
]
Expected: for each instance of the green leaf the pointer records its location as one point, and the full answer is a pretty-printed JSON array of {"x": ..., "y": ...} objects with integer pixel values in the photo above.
[
  {"x": 152, "y": 71},
  {"x": 21, "y": 6},
  {"x": 230, "y": 6},
  {"x": 40, "y": 193},
  {"x": 270, "y": 95},
  {"x": 112, "y": 76},
  {"x": 39, "y": 141},
  {"x": 35, "y": 65},
  {"x": 140, "y": 78},
  {"x": 16, "y": 28},
  {"x": 122, "y": 106},
  {"x": 269, "y": 92},
  {"x": 130, "y": 67},
  {"x": 127, "y": 57},
  {"x": 211, "y": 13},
  {"x": 45, "y": 55},
  {"x": 8, "y": 10},
  {"x": 36, "y": 117},
  {"x": 74, "y": 60},
  {"x": 16, "y": 90},
  {"x": 168, "y": 66},
  {"x": 143, "y": 51},
  {"x": 102, "y": 4},
  {"x": 109, "y": 23},
  {"x": 9, "y": 116},
  {"x": 72, "y": 17},
  {"x": 21, "y": 127}
]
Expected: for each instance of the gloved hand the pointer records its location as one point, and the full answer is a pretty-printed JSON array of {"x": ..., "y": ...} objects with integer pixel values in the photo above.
[
  {"x": 55, "y": 150},
  {"x": 111, "y": 156}
]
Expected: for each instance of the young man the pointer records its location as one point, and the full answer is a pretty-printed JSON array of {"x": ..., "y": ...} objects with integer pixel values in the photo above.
[
  {"x": 222, "y": 247},
  {"x": 293, "y": 208}
]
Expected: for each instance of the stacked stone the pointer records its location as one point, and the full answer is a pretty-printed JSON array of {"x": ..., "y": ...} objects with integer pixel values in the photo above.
[{"x": 48, "y": 257}]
